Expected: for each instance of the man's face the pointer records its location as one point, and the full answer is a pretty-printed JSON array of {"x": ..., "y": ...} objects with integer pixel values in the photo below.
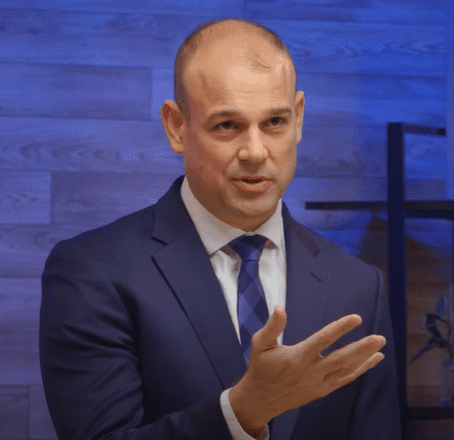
[{"x": 240, "y": 144}]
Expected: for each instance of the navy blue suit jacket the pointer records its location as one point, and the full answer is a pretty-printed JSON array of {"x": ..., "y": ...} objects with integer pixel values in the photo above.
[{"x": 136, "y": 341}]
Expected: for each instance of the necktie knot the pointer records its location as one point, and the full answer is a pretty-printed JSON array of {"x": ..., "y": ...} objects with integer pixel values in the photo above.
[{"x": 249, "y": 247}]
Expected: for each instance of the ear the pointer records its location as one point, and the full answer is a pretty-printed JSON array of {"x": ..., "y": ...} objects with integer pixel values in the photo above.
[
  {"x": 174, "y": 124},
  {"x": 299, "y": 105}
]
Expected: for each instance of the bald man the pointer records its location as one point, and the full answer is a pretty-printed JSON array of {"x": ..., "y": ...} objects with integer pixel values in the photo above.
[{"x": 142, "y": 331}]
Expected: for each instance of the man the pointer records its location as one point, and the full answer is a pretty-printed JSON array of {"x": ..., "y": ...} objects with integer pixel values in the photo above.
[{"x": 146, "y": 332}]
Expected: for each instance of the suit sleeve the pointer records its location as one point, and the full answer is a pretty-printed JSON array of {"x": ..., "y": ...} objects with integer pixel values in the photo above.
[
  {"x": 90, "y": 364},
  {"x": 377, "y": 414}
]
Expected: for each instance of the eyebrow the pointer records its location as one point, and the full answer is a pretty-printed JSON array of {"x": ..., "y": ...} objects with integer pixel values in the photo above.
[{"x": 275, "y": 111}]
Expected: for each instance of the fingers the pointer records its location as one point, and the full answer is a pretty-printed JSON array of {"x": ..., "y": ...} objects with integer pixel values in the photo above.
[
  {"x": 329, "y": 334},
  {"x": 266, "y": 337},
  {"x": 347, "y": 359},
  {"x": 284, "y": 377},
  {"x": 370, "y": 363}
]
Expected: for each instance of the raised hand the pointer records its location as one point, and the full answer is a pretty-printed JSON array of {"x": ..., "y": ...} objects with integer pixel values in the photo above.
[{"x": 282, "y": 377}]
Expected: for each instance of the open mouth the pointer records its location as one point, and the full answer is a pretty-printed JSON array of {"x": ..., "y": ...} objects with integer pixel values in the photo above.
[
  {"x": 252, "y": 186},
  {"x": 252, "y": 180}
]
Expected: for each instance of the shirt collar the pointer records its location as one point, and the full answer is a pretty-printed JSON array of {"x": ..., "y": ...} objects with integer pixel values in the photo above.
[{"x": 215, "y": 234}]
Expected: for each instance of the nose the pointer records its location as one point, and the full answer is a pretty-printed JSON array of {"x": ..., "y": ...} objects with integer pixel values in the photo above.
[{"x": 253, "y": 148}]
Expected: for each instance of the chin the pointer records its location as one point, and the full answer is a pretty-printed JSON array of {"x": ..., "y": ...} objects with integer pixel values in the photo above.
[{"x": 252, "y": 209}]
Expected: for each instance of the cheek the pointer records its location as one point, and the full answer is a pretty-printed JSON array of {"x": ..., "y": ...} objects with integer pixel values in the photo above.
[
  {"x": 192, "y": 163},
  {"x": 194, "y": 160},
  {"x": 288, "y": 158},
  {"x": 216, "y": 159},
  {"x": 206, "y": 163}
]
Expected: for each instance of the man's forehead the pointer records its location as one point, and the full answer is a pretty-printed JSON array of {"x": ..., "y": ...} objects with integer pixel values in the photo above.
[
  {"x": 241, "y": 77},
  {"x": 233, "y": 66},
  {"x": 213, "y": 81},
  {"x": 249, "y": 48},
  {"x": 211, "y": 65}
]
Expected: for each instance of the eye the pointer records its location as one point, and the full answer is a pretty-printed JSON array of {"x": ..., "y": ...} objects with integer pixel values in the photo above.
[
  {"x": 276, "y": 122},
  {"x": 225, "y": 126}
]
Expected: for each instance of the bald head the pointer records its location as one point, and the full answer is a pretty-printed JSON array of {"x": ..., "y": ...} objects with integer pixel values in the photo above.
[{"x": 215, "y": 45}]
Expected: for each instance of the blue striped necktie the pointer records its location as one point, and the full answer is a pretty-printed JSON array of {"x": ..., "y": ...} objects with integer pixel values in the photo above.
[{"x": 251, "y": 307}]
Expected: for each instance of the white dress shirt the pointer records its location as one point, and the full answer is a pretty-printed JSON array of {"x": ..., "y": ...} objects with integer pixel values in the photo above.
[{"x": 215, "y": 236}]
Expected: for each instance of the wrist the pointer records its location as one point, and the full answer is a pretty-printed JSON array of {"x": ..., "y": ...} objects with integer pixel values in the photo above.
[{"x": 249, "y": 414}]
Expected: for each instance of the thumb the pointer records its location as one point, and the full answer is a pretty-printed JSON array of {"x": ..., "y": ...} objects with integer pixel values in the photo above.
[{"x": 266, "y": 337}]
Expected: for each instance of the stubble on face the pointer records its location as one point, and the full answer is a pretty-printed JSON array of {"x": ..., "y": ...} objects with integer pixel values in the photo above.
[{"x": 234, "y": 73}]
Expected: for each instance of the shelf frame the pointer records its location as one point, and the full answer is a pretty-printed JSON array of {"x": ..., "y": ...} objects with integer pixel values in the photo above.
[{"x": 398, "y": 210}]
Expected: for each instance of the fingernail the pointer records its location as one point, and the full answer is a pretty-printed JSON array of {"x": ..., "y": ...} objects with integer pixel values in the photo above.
[{"x": 379, "y": 341}]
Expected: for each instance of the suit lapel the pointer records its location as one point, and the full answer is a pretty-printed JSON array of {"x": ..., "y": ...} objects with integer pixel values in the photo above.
[
  {"x": 307, "y": 293},
  {"x": 186, "y": 266},
  {"x": 188, "y": 270},
  {"x": 307, "y": 282}
]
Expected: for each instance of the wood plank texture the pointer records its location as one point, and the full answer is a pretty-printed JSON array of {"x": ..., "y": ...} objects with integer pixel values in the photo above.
[
  {"x": 391, "y": 11},
  {"x": 94, "y": 199},
  {"x": 137, "y": 146},
  {"x": 49, "y": 36},
  {"x": 357, "y": 100},
  {"x": 24, "y": 248},
  {"x": 162, "y": 80},
  {"x": 14, "y": 412},
  {"x": 41, "y": 426},
  {"x": 347, "y": 228},
  {"x": 352, "y": 240},
  {"x": 375, "y": 48},
  {"x": 425, "y": 156},
  {"x": 66, "y": 91},
  {"x": 85, "y": 145},
  {"x": 303, "y": 189},
  {"x": 24, "y": 197},
  {"x": 99, "y": 39},
  {"x": 342, "y": 151},
  {"x": 437, "y": 234},
  {"x": 339, "y": 151},
  {"x": 399, "y": 11},
  {"x": 181, "y": 7},
  {"x": 20, "y": 301}
]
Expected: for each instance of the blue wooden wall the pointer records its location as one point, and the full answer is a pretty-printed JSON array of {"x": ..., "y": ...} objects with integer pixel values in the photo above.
[{"x": 81, "y": 142}]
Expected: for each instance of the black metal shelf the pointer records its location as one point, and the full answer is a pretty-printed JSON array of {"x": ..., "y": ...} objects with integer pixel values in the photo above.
[
  {"x": 437, "y": 209},
  {"x": 398, "y": 210},
  {"x": 430, "y": 413}
]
